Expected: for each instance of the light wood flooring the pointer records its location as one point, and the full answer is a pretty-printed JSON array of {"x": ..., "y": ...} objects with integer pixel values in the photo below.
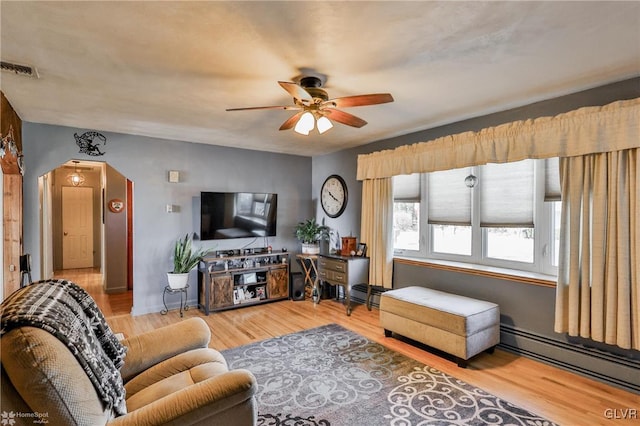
[{"x": 558, "y": 395}]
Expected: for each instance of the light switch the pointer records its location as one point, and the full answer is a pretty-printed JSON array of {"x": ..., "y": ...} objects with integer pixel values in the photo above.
[{"x": 174, "y": 176}]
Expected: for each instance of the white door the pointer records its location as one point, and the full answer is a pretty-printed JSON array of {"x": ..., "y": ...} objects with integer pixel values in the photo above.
[{"x": 77, "y": 227}]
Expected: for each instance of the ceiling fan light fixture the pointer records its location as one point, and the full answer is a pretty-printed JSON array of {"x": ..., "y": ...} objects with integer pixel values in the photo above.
[
  {"x": 324, "y": 124},
  {"x": 312, "y": 104},
  {"x": 305, "y": 124}
]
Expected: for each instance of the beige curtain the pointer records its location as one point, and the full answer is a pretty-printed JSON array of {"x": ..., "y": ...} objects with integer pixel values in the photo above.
[
  {"x": 377, "y": 229},
  {"x": 612, "y": 127},
  {"x": 598, "y": 290}
]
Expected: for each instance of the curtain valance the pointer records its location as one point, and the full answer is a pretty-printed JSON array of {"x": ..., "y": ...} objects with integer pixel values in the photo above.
[{"x": 588, "y": 130}]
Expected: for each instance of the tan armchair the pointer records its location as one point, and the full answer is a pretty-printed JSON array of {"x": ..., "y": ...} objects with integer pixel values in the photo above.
[{"x": 170, "y": 377}]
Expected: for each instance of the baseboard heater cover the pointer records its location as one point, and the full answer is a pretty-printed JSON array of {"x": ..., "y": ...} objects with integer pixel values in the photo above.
[{"x": 606, "y": 367}]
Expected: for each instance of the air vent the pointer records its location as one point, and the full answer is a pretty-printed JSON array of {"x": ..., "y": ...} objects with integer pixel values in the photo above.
[{"x": 25, "y": 70}]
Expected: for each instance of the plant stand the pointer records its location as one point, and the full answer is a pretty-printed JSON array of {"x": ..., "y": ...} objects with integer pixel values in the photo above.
[
  {"x": 183, "y": 305},
  {"x": 309, "y": 263}
]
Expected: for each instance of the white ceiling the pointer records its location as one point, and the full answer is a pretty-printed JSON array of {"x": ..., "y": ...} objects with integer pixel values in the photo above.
[{"x": 170, "y": 69}]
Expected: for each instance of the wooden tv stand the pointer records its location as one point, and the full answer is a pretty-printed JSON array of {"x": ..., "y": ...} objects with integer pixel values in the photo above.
[{"x": 239, "y": 280}]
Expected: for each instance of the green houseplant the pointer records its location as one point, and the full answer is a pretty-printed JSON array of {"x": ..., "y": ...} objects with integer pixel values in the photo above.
[
  {"x": 185, "y": 258},
  {"x": 309, "y": 233}
]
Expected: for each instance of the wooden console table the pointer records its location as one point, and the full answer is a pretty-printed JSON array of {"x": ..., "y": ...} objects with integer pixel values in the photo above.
[{"x": 344, "y": 271}]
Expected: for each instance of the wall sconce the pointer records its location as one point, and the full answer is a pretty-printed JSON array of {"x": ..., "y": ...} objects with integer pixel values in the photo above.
[{"x": 76, "y": 178}]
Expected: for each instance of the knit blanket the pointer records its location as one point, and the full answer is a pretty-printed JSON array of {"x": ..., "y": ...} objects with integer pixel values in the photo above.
[{"x": 68, "y": 312}]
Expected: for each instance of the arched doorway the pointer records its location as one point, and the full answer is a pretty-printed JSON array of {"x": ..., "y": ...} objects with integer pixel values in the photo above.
[{"x": 86, "y": 231}]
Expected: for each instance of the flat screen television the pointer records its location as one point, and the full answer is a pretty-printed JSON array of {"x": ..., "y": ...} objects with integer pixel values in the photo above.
[{"x": 237, "y": 215}]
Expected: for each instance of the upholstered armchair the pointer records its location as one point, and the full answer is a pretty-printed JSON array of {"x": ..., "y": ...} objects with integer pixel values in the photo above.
[{"x": 170, "y": 377}]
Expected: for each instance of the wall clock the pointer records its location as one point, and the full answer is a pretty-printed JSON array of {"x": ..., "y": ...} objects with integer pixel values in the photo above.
[{"x": 333, "y": 196}]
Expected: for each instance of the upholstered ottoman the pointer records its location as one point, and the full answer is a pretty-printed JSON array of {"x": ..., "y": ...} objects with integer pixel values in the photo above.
[{"x": 458, "y": 325}]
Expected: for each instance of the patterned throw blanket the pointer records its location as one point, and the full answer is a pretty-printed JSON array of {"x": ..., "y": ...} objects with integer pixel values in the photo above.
[{"x": 67, "y": 311}]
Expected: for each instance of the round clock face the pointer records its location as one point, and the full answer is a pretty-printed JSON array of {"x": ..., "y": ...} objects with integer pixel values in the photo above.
[{"x": 333, "y": 196}]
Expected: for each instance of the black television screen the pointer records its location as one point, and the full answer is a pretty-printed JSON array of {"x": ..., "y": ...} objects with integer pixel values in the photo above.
[{"x": 237, "y": 215}]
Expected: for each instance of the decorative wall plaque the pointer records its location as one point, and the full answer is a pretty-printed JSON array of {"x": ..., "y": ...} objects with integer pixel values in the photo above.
[
  {"x": 116, "y": 205},
  {"x": 89, "y": 143}
]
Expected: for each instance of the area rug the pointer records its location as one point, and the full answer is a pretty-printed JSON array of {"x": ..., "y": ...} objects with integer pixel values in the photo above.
[{"x": 332, "y": 376}]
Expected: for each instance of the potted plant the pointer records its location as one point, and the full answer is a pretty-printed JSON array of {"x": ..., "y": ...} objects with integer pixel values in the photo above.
[
  {"x": 184, "y": 260},
  {"x": 309, "y": 233}
]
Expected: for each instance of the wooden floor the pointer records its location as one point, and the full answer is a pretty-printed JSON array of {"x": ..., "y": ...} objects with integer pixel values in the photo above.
[{"x": 560, "y": 396}]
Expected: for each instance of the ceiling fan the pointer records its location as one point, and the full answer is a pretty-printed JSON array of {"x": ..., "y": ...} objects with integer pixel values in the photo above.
[{"x": 316, "y": 109}]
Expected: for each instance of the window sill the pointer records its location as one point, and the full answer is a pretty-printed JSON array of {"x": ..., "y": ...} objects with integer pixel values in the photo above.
[{"x": 481, "y": 270}]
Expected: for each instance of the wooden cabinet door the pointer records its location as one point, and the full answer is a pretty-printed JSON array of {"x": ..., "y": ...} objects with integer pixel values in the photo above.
[
  {"x": 278, "y": 283},
  {"x": 221, "y": 291}
]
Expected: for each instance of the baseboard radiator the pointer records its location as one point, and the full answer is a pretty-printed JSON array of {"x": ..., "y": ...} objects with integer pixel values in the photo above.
[
  {"x": 606, "y": 367},
  {"x": 610, "y": 368}
]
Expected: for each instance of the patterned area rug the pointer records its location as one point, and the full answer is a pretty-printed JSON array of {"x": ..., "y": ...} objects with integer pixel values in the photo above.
[{"x": 332, "y": 376}]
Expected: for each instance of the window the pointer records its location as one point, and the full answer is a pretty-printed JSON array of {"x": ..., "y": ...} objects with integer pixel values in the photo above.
[
  {"x": 449, "y": 207},
  {"x": 509, "y": 218},
  {"x": 507, "y": 210},
  {"x": 406, "y": 213},
  {"x": 512, "y": 244},
  {"x": 451, "y": 239}
]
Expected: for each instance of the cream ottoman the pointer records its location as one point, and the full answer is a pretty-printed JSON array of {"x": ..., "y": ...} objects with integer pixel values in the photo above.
[{"x": 458, "y": 325}]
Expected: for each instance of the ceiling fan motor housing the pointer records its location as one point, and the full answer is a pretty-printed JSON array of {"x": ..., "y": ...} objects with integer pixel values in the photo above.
[
  {"x": 310, "y": 81},
  {"x": 312, "y": 86}
]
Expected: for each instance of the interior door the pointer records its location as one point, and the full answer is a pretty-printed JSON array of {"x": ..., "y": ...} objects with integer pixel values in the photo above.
[{"x": 77, "y": 227}]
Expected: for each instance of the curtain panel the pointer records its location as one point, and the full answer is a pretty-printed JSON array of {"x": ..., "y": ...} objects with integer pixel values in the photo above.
[
  {"x": 598, "y": 289},
  {"x": 377, "y": 229},
  {"x": 588, "y": 130}
]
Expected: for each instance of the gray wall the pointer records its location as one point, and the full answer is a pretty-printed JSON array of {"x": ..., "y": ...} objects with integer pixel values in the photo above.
[
  {"x": 527, "y": 310},
  {"x": 146, "y": 162}
]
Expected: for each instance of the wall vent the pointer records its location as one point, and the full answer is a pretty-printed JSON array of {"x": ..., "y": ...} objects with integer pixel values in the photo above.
[{"x": 25, "y": 70}]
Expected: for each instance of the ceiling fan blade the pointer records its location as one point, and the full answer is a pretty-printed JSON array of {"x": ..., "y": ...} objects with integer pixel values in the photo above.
[
  {"x": 291, "y": 121},
  {"x": 361, "y": 100},
  {"x": 296, "y": 91},
  {"x": 343, "y": 117},
  {"x": 288, "y": 107}
]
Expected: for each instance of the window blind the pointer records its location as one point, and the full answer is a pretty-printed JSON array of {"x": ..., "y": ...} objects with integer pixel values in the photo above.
[
  {"x": 506, "y": 194},
  {"x": 449, "y": 199},
  {"x": 552, "y": 179},
  {"x": 406, "y": 187}
]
